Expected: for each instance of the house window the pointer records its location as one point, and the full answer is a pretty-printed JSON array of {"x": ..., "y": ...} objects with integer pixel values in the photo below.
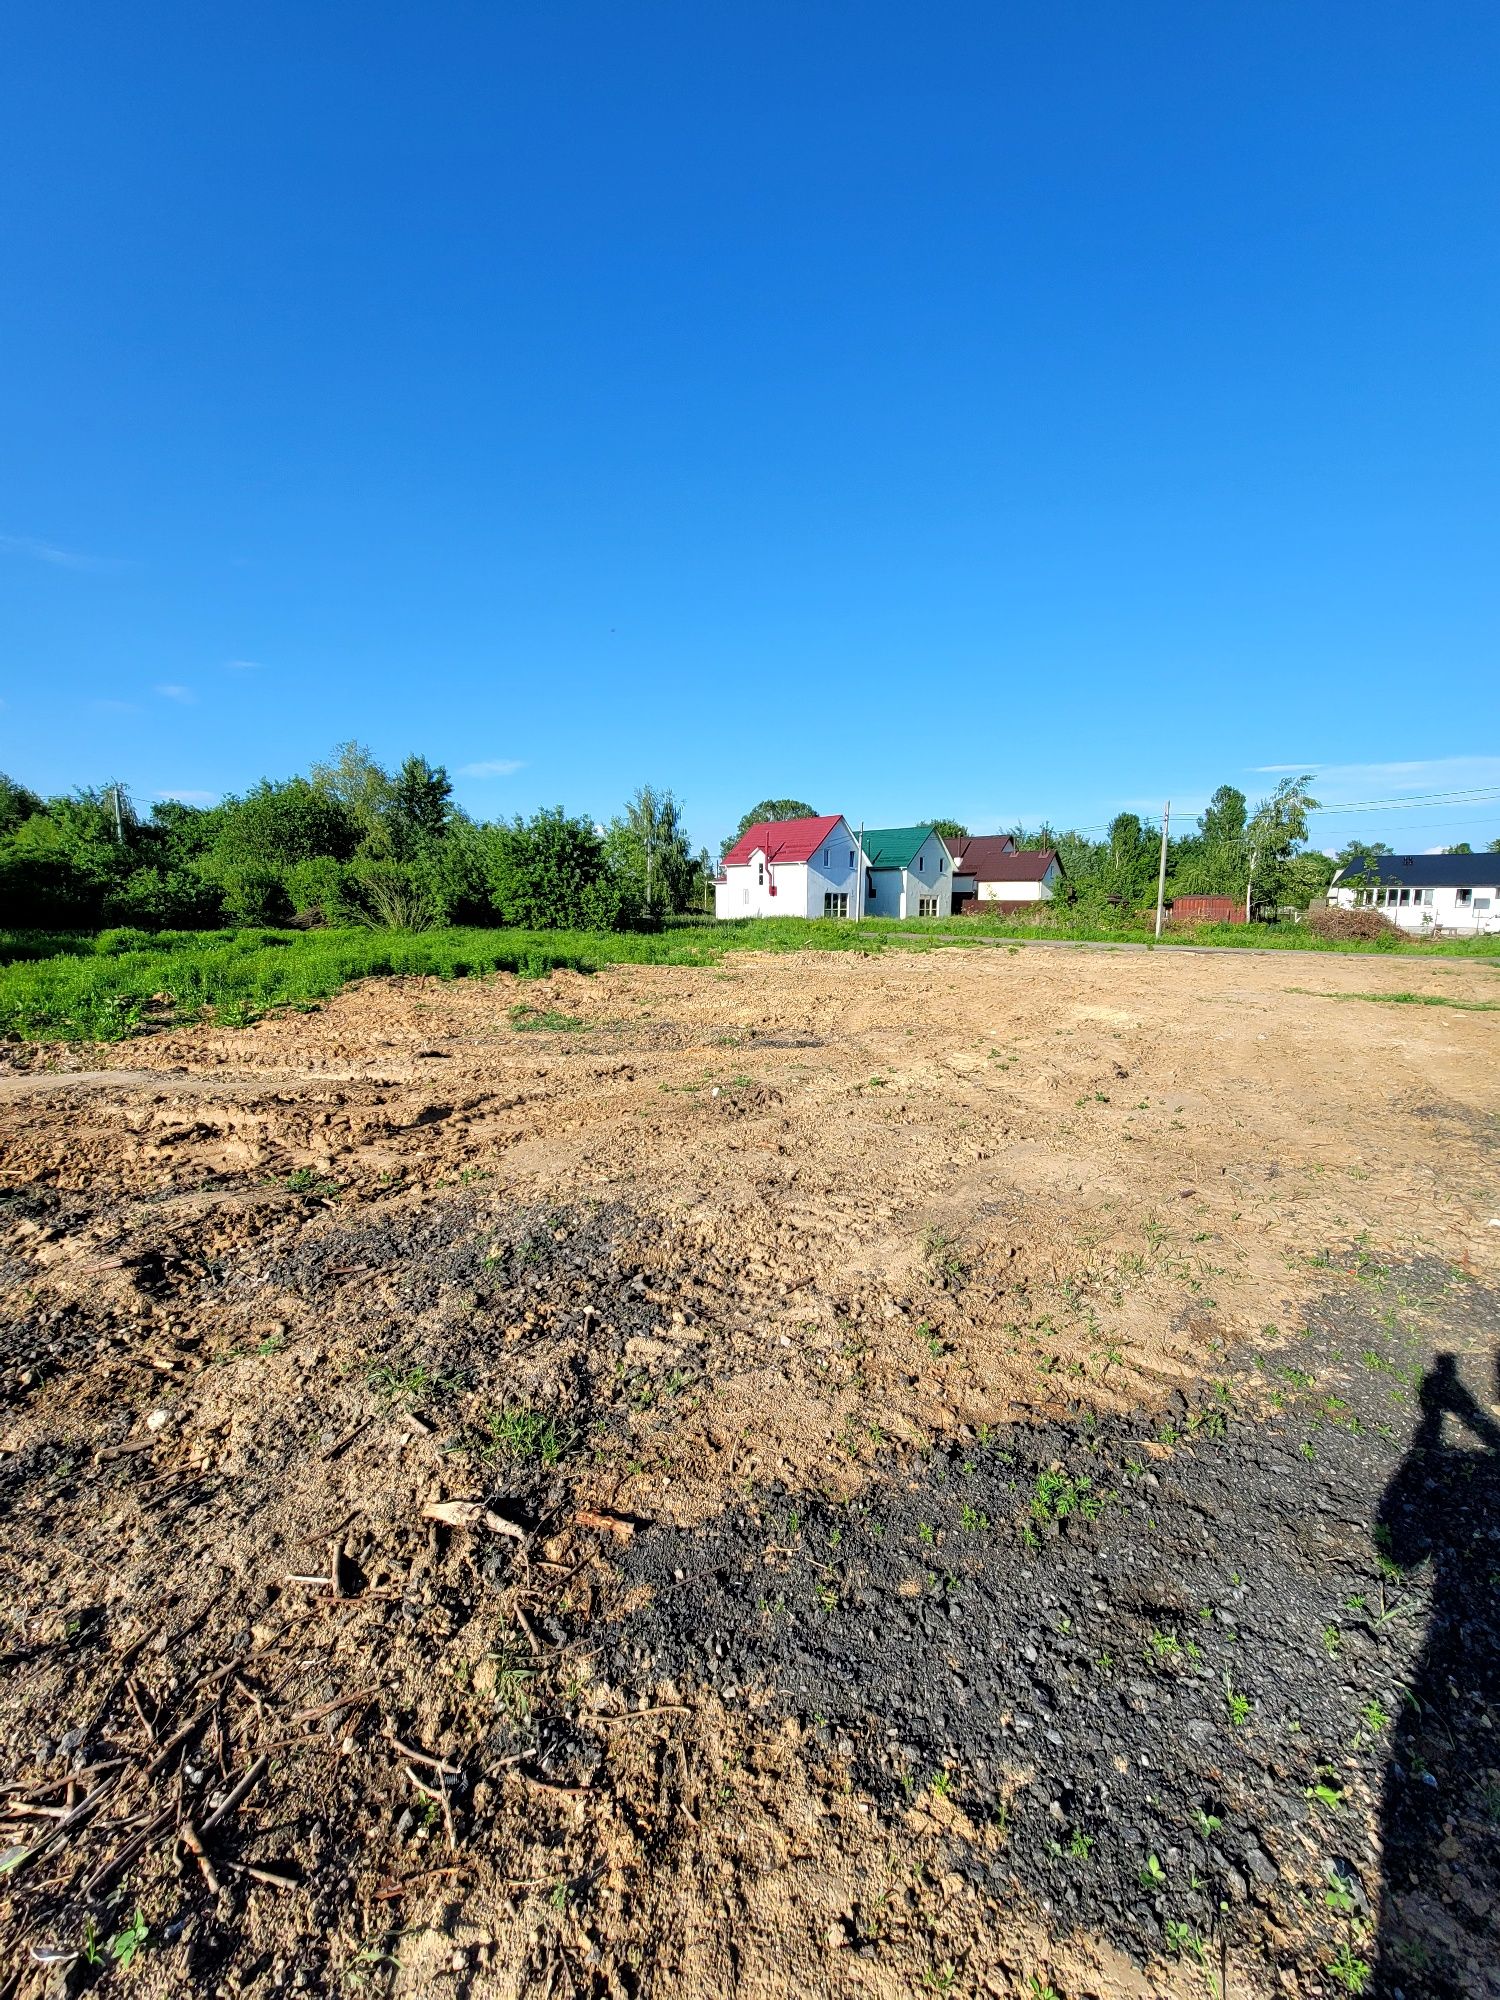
[
  {"x": 835, "y": 905},
  {"x": 927, "y": 906},
  {"x": 1481, "y": 902},
  {"x": 942, "y": 864},
  {"x": 1463, "y": 897},
  {"x": 1406, "y": 895},
  {"x": 760, "y": 873},
  {"x": 919, "y": 864},
  {"x": 851, "y": 857},
  {"x": 825, "y": 856}
]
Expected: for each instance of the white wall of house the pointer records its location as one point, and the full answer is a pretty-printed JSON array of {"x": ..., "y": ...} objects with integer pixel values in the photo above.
[
  {"x": 1470, "y": 911},
  {"x": 834, "y": 871},
  {"x": 1021, "y": 892},
  {"x": 889, "y": 885},
  {"x": 802, "y": 887}
]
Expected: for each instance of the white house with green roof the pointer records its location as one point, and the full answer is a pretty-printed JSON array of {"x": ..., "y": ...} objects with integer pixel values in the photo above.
[{"x": 908, "y": 872}]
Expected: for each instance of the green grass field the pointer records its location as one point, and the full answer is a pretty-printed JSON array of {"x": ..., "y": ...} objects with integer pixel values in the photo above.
[{"x": 85, "y": 988}]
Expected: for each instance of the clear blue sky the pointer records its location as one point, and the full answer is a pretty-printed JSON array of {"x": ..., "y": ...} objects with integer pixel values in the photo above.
[{"x": 998, "y": 410}]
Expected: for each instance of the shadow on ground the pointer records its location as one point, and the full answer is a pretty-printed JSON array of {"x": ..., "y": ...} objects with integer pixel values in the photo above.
[
  {"x": 1181, "y": 1683},
  {"x": 1442, "y": 1793}
]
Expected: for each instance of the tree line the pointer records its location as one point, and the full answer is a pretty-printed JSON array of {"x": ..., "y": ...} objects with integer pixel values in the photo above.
[
  {"x": 1230, "y": 849},
  {"x": 349, "y": 842},
  {"x": 353, "y": 842}
]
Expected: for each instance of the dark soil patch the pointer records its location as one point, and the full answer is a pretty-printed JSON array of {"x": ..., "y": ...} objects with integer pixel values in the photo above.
[{"x": 1163, "y": 1677}]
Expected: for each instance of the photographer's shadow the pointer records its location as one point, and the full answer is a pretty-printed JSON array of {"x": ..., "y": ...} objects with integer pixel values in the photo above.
[{"x": 1440, "y": 1821}]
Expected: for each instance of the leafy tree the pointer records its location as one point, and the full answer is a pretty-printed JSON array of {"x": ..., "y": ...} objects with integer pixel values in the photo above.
[
  {"x": 362, "y": 787},
  {"x": 1463, "y": 847},
  {"x": 278, "y": 824},
  {"x": 700, "y": 889},
  {"x": 393, "y": 816},
  {"x": 1494, "y": 847},
  {"x": 1304, "y": 877},
  {"x": 1275, "y": 833},
  {"x": 774, "y": 809},
  {"x": 181, "y": 834},
  {"x": 61, "y": 864},
  {"x": 1357, "y": 852},
  {"x": 1222, "y": 822},
  {"x": 949, "y": 829},
  {"x": 17, "y": 802},
  {"x": 648, "y": 849},
  {"x": 1129, "y": 863},
  {"x": 1035, "y": 839},
  {"x": 421, "y": 802}
]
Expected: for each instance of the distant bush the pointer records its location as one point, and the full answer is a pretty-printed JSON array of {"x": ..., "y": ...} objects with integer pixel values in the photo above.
[
  {"x": 318, "y": 891},
  {"x": 391, "y": 896},
  {"x": 549, "y": 872},
  {"x": 1341, "y": 926},
  {"x": 255, "y": 895},
  {"x": 181, "y": 899}
]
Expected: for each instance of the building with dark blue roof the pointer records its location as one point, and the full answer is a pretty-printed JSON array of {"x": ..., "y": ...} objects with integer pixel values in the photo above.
[{"x": 1453, "y": 894}]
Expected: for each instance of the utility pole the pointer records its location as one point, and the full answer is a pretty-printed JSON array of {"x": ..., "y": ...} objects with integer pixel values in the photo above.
[
  {"x": 1161, "y": 872},
  {"x": 1254, "y": 857},
  {"x": 859, "y": 877},
  {"x": 119, "y": 824}
]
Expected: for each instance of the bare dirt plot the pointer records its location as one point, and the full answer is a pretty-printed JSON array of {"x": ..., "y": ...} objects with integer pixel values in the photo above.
[{"x": 705, "y": 1255}]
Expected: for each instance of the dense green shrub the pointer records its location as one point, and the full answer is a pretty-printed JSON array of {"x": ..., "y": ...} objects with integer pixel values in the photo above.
[
  {"x": 180, "y": 899},
  {"x": 549, "y": 873},
  {"x": 255, "y": 895},
  {"x": 318, "y": 890}
]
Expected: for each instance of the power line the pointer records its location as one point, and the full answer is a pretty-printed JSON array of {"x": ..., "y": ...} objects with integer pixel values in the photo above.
[{"x": 1475, "y": 796}]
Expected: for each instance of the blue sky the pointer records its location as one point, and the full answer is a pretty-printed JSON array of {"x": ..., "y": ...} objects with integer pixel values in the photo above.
[{"x": 990, "y": 410}]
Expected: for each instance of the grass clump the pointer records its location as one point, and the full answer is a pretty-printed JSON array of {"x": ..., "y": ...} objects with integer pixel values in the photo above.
[
  {"x": 529, "y": 1020},
  {"x": 410, "y": 1383},
  {"x": 526, "y": 1437},
  {"x": 1057, "y": 1494}
]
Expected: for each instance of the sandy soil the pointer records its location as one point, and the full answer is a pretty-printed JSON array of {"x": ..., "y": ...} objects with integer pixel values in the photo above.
[{"x": 269, "y": 1293}]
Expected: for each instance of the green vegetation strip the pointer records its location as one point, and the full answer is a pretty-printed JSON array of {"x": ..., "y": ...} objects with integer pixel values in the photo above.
[
  {"x": 63, "y": 987},
  {"x": 1405, "y": 1000}
]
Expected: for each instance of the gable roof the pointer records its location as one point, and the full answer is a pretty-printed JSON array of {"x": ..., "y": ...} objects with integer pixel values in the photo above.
[
  {"x": 1426, "y": 871},
  {"x": 894, "y": 846},
  {"x": 1029, "y": 864},
  {"x": 783, "y": 839},
  {"x": 975, "y": 853}
]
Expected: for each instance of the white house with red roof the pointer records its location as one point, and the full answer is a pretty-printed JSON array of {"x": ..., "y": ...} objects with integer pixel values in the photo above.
[{"x": 791, "y": 868}]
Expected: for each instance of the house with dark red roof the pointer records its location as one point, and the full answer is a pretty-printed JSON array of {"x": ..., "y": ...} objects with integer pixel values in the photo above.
[
  {"x": 972, "y": 853},
  {"x": 791, "y": 868},
  {"x": 990, "y": 869}
]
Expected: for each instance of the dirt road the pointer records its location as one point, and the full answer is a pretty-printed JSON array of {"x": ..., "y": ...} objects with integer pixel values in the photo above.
[{"x": 663, "y": 1274}]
